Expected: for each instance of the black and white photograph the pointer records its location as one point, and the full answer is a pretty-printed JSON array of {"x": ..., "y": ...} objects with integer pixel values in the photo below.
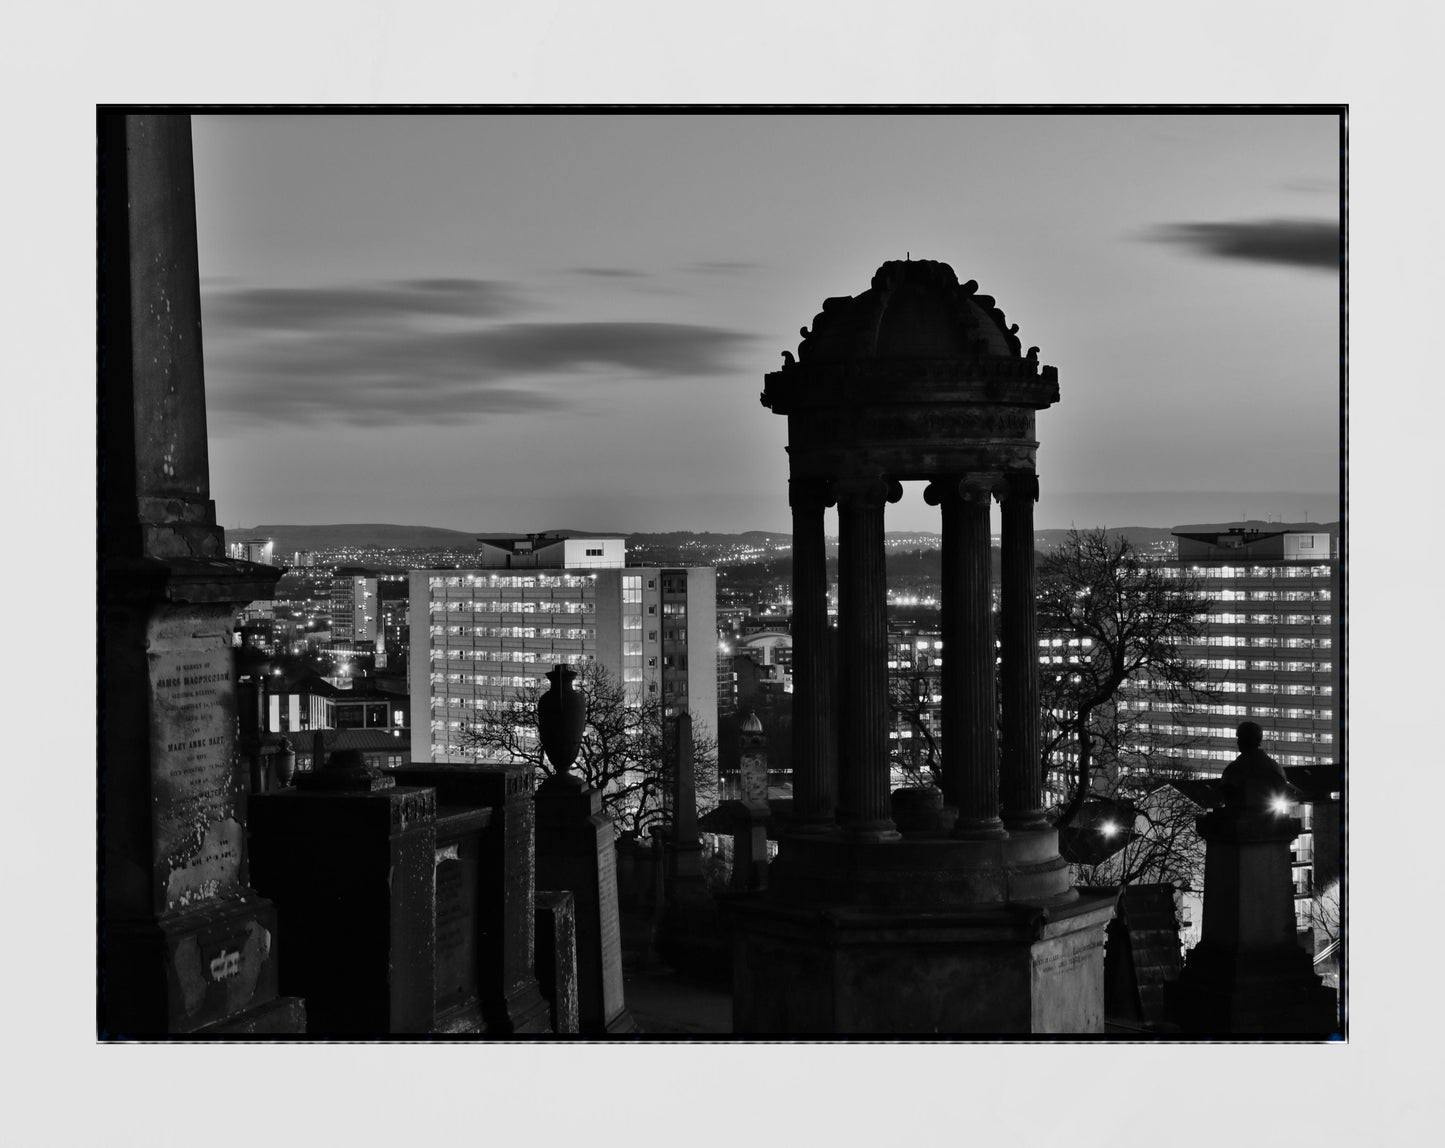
[{"x": 496, "y": 591}]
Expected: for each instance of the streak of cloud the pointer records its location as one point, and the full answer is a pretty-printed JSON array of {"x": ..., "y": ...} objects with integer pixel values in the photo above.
[
  {"x": 302, "y": 308},
  {"x": 609, "y": 272},
  {"x": 344, "y": 356},
  {"x": 1311, "y": 243}
]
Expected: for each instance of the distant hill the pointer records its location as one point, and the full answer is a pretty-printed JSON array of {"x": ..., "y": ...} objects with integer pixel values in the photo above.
[{"x": 344, "y": 535}]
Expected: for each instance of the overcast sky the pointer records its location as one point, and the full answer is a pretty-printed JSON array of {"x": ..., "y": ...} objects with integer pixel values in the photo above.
[{"x": 514, "y": 323}]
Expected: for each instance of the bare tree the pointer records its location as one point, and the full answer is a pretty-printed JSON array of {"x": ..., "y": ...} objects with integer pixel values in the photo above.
[
  {"x": 1123, "y": 621},
  {"x": 625, "y": 752},
  {"x": 1153, "y": 822},
  {"x": 914, "y": 760}
]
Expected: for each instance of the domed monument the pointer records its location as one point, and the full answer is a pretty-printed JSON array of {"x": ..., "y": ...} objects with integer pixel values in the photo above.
[{"x": 967, "y": 929}]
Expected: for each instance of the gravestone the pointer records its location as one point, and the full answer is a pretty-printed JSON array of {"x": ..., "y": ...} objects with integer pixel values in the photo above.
[
  {"x": 349, "y": 858},
  {"x": 458, "y": 999},
  {"x": 556, "y": 958},
  {"x": 186, "y": 945},
  {"x": 485, "y": 897}
]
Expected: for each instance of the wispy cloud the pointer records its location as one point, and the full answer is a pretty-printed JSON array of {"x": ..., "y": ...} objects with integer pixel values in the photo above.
[
  {"x": 1312, "y": 243},
  {"x": 305, "y": 308},
  {"x": 609, "y": 272},
  {"x": 422, "y": 352}
]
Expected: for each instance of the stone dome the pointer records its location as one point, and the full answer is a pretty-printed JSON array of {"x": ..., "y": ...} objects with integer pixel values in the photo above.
[
  {"x": 914, "y": 309},
  {"x": 751, "y": 724}
]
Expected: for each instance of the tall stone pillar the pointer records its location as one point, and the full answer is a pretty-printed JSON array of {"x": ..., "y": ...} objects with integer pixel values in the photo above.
[
  {"x": 186, "y": 945},
  {"x": 970, "y": 742},
  {"x": 863, "y": 658},
  {"x": 1022, "y": 773},
  {"x": 815, "y": 771}
]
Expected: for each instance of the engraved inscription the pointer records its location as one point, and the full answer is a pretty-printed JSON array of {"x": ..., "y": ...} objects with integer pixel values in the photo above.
[
  {"x": 196, "y": 783},
  {"x": 226, "y": 965}
]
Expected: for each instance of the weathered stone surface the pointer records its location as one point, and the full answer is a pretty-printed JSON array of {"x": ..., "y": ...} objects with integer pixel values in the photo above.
[
  {"x": 1018, "y": 969},
  {"x": 556, "y": 958},
  {"x": 191, "y": 969},
  {"x": 920, "y": 872}
]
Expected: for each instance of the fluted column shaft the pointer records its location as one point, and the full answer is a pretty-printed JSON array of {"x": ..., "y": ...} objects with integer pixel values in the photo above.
[
  {"x": 970, "y": 739},
  {"x": 863, "y": 657},
  {"x": 815, "y": 769},
  {"x": 1022, "y": 772}
]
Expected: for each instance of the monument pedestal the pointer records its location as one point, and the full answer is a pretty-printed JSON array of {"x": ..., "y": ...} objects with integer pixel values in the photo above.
[
  {"x": 575, "y": 852},
  {"x": 922, "y": 935},
  {"x": 186, "y": 944},
  {"x": 1248, "y": 974}
]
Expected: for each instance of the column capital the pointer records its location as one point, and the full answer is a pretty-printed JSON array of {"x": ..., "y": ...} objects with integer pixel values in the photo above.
[
  {"x": 811, "y": 493},
  {"x": 1020, "y": 484},
  {"x": 964, "y": 488},
  {"x": 866, "y": 490}
]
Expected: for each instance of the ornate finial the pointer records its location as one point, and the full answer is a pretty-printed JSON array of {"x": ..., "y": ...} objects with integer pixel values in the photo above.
[{"x": 788, "y": 358}]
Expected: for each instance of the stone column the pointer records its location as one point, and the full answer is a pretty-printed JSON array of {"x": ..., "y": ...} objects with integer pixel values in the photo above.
[
  {"x": 970, "y": 744},
  {"x": 1022, "y": 775},
  {"x": 815, "y": 769},
  {"x": 686, "y": 865},
  {"x": 863, "y": 658},
  {"x": 186, "y": 945}
]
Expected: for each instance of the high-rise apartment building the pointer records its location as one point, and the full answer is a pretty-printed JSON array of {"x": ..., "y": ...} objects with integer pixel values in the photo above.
[
  {"x": 355, "y": 609},
  {"x": 1272, "y": 644},
  {"x": 480, "y": 635}
]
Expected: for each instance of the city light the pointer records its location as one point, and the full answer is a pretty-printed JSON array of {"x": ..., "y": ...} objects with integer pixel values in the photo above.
[
  {"x": 1109, "y": 828},
  {"x": 1280, "y": 804}
]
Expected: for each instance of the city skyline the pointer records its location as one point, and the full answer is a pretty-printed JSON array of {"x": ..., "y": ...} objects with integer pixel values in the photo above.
[{"x": 513, "y": 323}]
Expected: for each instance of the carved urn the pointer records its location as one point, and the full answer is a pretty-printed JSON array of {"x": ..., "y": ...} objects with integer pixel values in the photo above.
[{"x": 561, "y": 718}]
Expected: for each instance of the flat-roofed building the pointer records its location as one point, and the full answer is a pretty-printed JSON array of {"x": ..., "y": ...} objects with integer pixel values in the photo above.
[
  {"x": 1272, "y": 643},
  {"x": 479, "y": 636}
]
